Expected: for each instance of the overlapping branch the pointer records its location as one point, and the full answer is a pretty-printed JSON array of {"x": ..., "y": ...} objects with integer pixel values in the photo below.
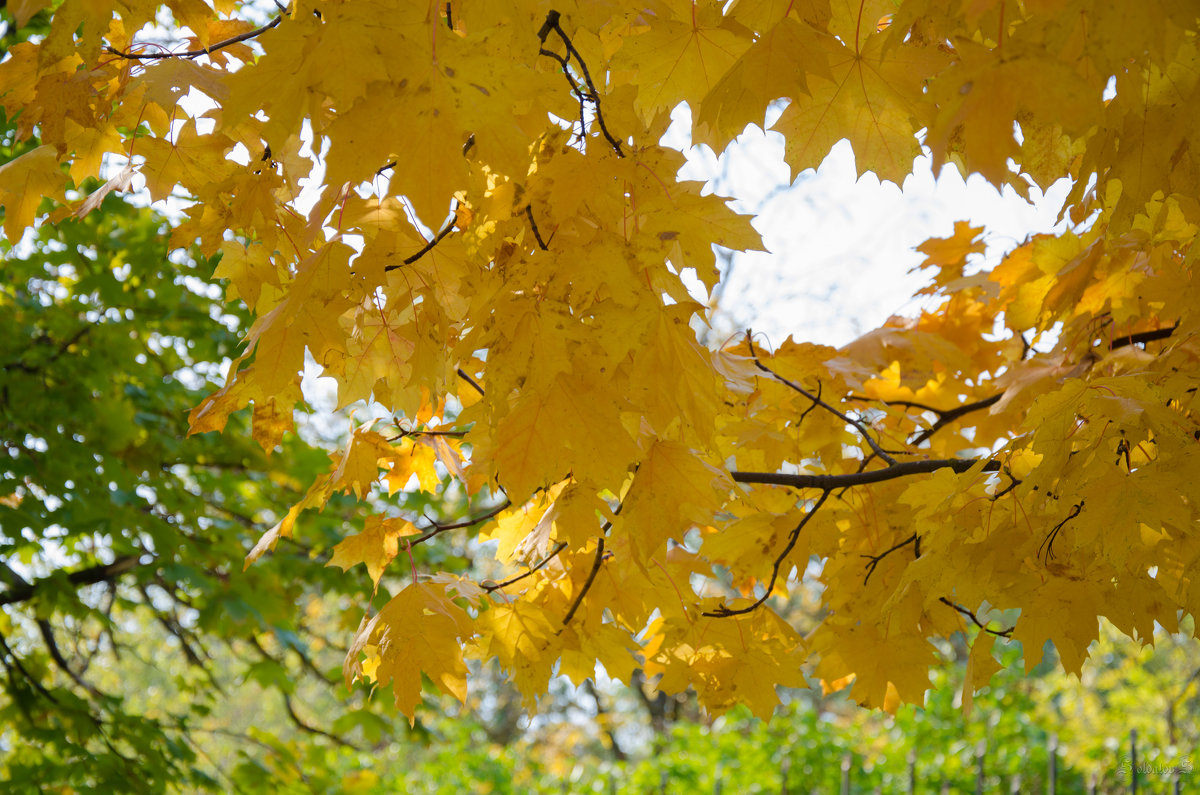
[{"x": 817, "y": 401}]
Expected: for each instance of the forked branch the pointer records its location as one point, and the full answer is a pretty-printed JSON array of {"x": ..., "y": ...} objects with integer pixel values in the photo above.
[
  {"x": 817, "y": 401},
  {"x": 551, "y": 25}
]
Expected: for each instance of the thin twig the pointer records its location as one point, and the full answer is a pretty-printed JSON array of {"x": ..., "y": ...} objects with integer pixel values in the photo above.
[
  {"x": 437, "y": 528},
  {"x": 816, "y": 399},
  {"x": 446, "y": 229},
  {"x": 300, "y": 724},
  {"x": 1003, "y": 633},
  {"x": 587, "y": 584},
  {"x": 873, "y": 561},
  {"x": 724, "y": 612},
  {"x": 517, "y": 578},
  {"x": 36, "y": 683},
  {"x": 947, "y": 417},
  {"x": 156, "y": 56},
  {"x": 56, "y": 654}
]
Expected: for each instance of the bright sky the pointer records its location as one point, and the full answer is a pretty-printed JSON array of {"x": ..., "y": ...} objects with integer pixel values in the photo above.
[{"x": 839, "y": 249}]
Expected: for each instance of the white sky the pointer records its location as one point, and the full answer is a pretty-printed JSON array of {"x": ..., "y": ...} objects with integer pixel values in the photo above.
[{"x": 839, "y": 249}]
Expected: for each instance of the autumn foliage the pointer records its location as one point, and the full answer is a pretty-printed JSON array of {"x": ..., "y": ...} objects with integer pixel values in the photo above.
[{"x": 489, "y": 251}]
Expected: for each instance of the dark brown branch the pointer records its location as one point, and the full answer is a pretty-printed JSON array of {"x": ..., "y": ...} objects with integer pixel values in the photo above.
[
  {"x": 447, "y": 228},
  {"x": 1012, "y": 485},
  {"x": 947, "y": 417},
  {"x": 463, "y": 375},
  {"x": 62, "y": 348},
  {"x": 910, "y": 404},
  {"x": 1003, "y": 633},
  {"x": 1142, "y": 336},
  {"x": 156, "y": 56},
  {"x": 1048, "y": 542},
  {"x": 22, "y": 591},
  {"x": 587, "y": 584},
  {"x": 517, "y": 578},
  {"x": 583, "y": 96},
  {"x": 404, "y": 433},
  {"x": 724, "y": 612},
  {"x": 552, "y": 24},
  {"x": 873, "y": 561},
  {"x": 437, "y": 528},
  {"x": 533, "y": 225},
  {"x": 897, "y": 470},
  {"x": 816, "y": 399}
]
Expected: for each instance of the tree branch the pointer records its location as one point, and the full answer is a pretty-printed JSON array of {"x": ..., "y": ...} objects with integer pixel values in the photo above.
[
  {"x": 604, "y": 721},
  {"x": 156, "y": 56},
  {"x": 56, "y": 654},
  {"x": 447, "y": 228},
  {"x": 439, "y": 527},
  {"x": 16, "y": 661},
  {"x": 816, "y": 399},
  {"x": 517, "y": 578},
  {"x": 533, "y": 225},
  {"x": 587, "y": 584},
  {"x": 300, "y": 724},
  {"x": 21, "y": 591},
  {"x": 552, "y": 24},
  {"x": 1143, "y": 336},
  {"x": 898, "y": 470},
  {"x": 873, "y": 561},
  {"x": 464, "y": 376},
  {"x": 724, "y": 612},
  {"x": 1003, "y": 633}
]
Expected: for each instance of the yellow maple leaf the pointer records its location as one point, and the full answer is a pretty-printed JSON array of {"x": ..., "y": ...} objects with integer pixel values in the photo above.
[
  {"x": 375, "y": 546},
  {"x": 419, "y": 631},
  {"x": 23, "y": 182}
]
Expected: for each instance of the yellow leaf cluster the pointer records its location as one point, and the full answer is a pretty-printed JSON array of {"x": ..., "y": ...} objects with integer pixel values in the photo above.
[{"x": 498, "y": 252}]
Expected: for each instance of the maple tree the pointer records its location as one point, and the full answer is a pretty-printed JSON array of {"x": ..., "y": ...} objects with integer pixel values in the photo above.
[{"x": 492, "y": 254}]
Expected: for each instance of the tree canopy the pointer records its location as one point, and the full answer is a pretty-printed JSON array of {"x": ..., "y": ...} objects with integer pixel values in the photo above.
[{"x": 462, "y": 213}]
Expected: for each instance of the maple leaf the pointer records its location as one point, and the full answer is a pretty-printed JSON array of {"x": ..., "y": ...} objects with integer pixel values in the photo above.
[
  {"x": 375, "y": 546},
  {"x": 417, "y": 632},
  {"x": 23, "y": 183}
]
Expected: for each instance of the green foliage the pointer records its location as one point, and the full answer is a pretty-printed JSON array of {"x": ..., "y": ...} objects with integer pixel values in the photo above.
[
  {"x": 1015, "y": 720},
  {"x": 137, "y": 655}
]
